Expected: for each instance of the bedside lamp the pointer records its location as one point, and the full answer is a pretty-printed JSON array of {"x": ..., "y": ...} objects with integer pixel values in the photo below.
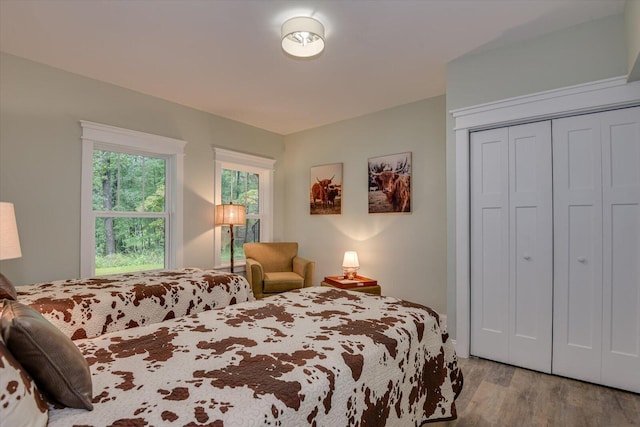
[
  {"x": 230, "y": 214},
  {"x": 9, "y": 240},
  {"x": 350, "y": 265}
]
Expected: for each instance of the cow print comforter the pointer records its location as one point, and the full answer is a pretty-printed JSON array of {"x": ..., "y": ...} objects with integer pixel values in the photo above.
[
  {"x": 314, "y": 356},
  {"x": 87, "y": 308}
]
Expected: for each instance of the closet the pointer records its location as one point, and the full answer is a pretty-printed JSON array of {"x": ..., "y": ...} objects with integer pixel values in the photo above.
[{"x": 555, "y": 246}]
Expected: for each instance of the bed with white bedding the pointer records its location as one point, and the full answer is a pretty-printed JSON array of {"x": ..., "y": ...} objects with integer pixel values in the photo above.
[{"x": 315, "y": 356}]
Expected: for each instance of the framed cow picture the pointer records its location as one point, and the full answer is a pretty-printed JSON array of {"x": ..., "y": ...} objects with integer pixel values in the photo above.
[
  {"x": 390, "y": 183},
  {"x": 325, "y": 189}
]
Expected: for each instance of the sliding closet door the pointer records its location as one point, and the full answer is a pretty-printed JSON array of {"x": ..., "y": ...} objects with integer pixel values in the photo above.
[
  {"x": 490, "y": 244},
  {"x": 621, "y": 237},
  {"x": 577, "y": 204},
  {"x": 511, "y": 252},
  {"x": 530, "y": 246}
]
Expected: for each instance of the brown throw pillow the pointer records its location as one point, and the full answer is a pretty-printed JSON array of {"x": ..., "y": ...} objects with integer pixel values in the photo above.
[
  {"x": 21, "y": 404},
  {"x": 7, "y": 290},
  {"x": 51, "y": 358}
]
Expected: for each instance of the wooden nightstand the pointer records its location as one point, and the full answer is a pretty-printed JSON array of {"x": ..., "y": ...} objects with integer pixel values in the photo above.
[{"x": 364, "y": 284}]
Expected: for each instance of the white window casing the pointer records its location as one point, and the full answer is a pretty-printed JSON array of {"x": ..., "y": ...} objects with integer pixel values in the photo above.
[
  {"x": 264, "y": 168},
  {"x": 97, "y": 136}
]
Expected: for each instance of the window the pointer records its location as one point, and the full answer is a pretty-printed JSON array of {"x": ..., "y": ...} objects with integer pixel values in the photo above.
[
  {"x": 245, "y": 180},
  {"x": 131, "y": 201}
]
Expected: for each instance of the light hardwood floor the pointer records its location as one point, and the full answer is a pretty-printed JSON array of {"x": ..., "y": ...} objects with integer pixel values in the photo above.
[{"x": 501, "y": 395}]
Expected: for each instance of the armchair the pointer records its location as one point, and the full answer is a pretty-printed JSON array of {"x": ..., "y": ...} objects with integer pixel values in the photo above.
[{"x": 276, "y": 267}]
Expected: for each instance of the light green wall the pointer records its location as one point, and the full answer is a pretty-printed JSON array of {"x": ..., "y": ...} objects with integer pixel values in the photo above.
[
  {"x": 587, "y": 52},
  {"x": 405, "y": 252},
  {"x": 632, "y": 24},
  {"x": 40, "y": 161},
  {"x": 40, "y": 154}
]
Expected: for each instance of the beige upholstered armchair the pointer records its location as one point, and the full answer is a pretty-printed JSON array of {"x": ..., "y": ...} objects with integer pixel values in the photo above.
[{"x": 276, "y": 267}]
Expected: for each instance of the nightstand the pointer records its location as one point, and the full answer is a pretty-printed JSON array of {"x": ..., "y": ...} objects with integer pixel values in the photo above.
[{"x": 362, "y": 284}]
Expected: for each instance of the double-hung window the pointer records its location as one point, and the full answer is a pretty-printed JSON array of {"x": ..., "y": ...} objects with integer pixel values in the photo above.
[
  {"x": 247, "y": 180},
  {"x": 131, "y": 201}
]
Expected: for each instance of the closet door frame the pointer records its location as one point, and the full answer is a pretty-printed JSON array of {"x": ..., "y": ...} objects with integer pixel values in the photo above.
[{"x": 580, "y": 99}]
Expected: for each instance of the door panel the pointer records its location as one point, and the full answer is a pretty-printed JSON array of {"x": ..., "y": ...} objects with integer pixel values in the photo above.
[
  {"x": 621, "y": 238},
  {"x": 492, "y": 267},
  {"x": 583, "y": 151},
  {"x": 583, "y": 284},
  {"x": 489, "y": 244},
  {"x": 525, "y": 312},
  {"x": 530, "y": 249},
  {"x": 511, "y": 238},
  {"x": 577, "y": 223},
  {"x": 623, "y": 276}
]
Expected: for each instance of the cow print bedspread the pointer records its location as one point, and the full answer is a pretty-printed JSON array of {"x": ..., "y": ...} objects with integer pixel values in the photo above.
[
  {"x": 86, "y": 308},
  {"x": 314, "y": 356}
]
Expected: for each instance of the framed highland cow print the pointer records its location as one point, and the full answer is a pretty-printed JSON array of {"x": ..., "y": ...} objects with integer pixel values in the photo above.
[
  {"x": 325, "y": 189},
  {"x": 390, "y": 183}
]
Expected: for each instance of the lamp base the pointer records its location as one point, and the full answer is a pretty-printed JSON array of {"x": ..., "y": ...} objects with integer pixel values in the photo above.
[
  {"x": 349, "y": 273},
  {"x": 232, "y": 239}
]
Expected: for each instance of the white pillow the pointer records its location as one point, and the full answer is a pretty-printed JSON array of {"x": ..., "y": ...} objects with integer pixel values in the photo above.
[{"x": 21, "y": 403}]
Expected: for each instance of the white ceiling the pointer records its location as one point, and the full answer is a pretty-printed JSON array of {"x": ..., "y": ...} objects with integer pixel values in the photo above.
[{"x": 224, "y": 56}]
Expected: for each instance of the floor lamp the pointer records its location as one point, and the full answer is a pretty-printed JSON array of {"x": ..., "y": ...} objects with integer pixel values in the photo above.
[
  {"x": 9, "y": 244},
  {"x": 230, "y": 214}
]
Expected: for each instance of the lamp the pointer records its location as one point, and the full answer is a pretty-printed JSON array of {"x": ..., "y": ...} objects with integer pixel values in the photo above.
[
  {"x": 9, "y": 240},
  {"x": 230, "y": 214},
  {"x": 350, "y": 264},
  {"x": 302, "y": 37}
]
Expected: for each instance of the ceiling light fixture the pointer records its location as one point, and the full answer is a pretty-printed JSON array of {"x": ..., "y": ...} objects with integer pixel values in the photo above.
[{"x": 302, "y": 37}]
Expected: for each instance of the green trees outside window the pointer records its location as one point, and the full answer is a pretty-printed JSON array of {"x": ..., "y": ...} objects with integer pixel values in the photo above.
[
  {"x": 130, "y": 206},
  {"x": 241, "y": 188}
]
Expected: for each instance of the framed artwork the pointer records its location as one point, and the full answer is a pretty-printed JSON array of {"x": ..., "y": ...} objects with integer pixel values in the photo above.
[
  {"x": 390, "y": 183},
  {"x": 325, "y": 189}
]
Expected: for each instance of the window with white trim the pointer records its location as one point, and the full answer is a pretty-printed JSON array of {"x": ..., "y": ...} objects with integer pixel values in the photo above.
[
  {"x": 131, "y": 201},
  {"x": 245, "y": 180}
]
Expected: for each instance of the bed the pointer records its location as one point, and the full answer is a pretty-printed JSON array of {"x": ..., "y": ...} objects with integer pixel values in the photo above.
[
  {"x": 90, "y": 307},
  {"x": 314, "y": 356}
]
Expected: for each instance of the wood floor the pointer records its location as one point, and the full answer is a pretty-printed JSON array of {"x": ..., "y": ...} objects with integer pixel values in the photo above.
[{"x": 501, "y": 395}]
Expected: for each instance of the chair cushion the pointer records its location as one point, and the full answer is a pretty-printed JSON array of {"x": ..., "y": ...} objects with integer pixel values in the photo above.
[
  {"x": 282, "y": 281},
  {"x": 274, "y": 256}
]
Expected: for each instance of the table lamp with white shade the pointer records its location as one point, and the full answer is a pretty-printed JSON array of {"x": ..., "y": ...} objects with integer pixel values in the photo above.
[
  {"x": 350, "y": 265},
  {"x": 9, "y": 240}
]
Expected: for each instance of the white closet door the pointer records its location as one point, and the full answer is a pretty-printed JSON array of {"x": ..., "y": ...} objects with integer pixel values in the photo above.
[
  {"x": 621, "y": 236},
  {"x": 531, "y": 246},
  {"x": 511, "y": 244},
  {"x": 490, "y": 244},
  {"x": 577, "y": 205}
]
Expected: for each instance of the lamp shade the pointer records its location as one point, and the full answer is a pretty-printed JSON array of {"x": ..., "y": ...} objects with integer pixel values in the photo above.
[
  {"x": 302, "y": 37},
  {"x": 230, "y": 214},
  {"x": 9, "y": 240},
  {"x": 350, "y": 260}
]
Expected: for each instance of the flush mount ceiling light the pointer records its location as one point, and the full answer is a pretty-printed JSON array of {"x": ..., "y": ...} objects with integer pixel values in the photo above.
[{"x": 302, "y": 37}]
